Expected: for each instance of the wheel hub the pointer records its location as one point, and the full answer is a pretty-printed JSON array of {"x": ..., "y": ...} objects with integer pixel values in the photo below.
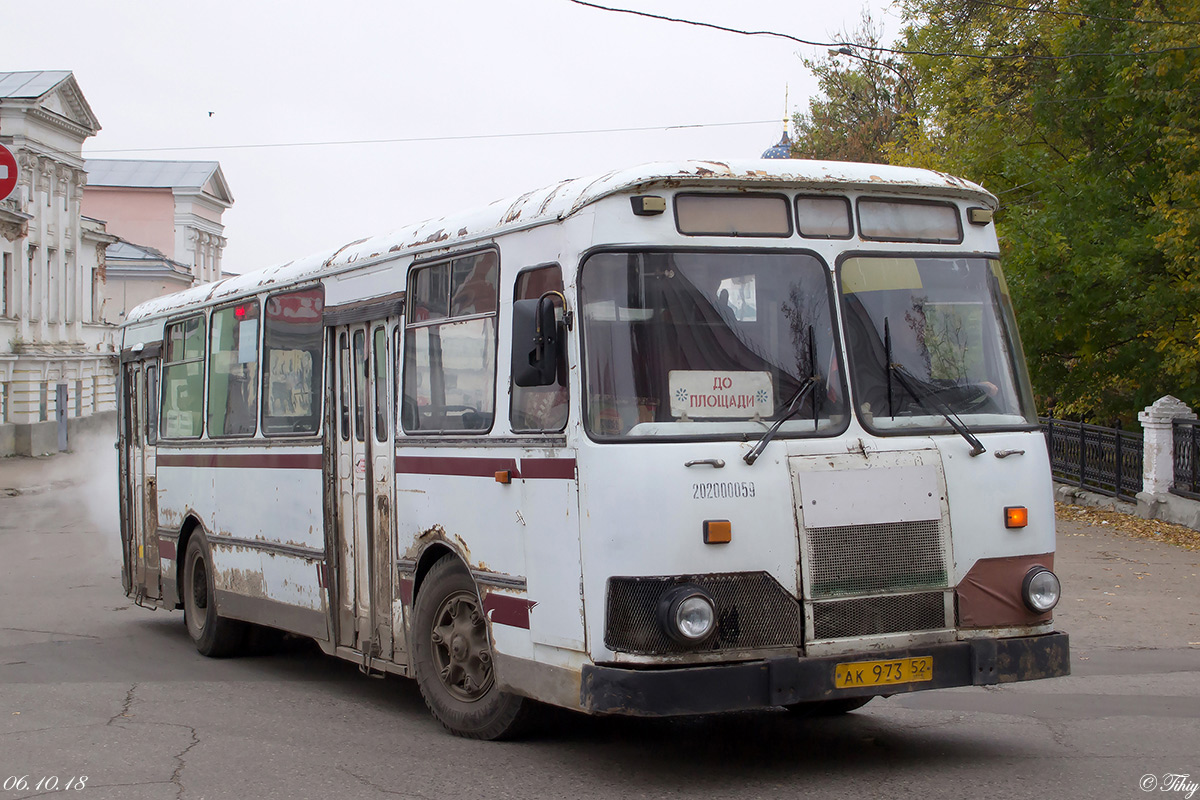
[{"x": 461, "y": 650}]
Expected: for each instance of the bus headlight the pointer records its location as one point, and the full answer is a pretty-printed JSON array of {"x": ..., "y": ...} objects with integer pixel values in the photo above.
[
  {"x": 687, "y": 614},
  {"x": 1041, "y": 590}
]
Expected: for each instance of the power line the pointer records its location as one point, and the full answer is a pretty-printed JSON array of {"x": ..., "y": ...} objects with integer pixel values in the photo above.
[
  {"x": 415, "y": 139},
  {"x": 876, "y": 48}
]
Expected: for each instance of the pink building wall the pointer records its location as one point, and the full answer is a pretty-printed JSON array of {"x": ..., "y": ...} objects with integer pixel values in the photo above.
[{"x": 143, "y": 216}]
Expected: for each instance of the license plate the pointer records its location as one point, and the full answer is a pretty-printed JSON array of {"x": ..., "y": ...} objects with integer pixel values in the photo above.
[{"x": 883, "y": 673}]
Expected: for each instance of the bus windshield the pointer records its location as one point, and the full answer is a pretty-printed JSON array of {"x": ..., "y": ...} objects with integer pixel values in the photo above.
[
  {"x": 709, "y": 344},
  {"x": 933, "y": 335}
]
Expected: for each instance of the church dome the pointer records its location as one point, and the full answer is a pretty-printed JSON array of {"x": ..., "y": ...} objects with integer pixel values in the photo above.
[{"x": 781, "y": 150}]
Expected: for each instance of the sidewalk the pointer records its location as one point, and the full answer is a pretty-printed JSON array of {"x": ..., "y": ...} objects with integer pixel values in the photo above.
[{"x": 91, "y": 453}]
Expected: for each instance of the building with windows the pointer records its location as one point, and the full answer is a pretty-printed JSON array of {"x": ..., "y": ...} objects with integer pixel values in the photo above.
[
  {"x": 135, "y": 273},
  {"x": 57, "y": 366},
  {"x": 173, "y": 207},
  {"x": 81, "y": 243}
]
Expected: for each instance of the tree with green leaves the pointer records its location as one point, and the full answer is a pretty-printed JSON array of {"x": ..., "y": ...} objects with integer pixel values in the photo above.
[
  {"x": 867, "y": 108},
  {"x": 1080, "y": 115}
]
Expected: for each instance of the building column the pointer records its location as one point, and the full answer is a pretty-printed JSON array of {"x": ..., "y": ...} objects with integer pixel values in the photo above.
[
  {"x": 78, "y": 180},
  {"x": 218, "y": 251},
  {"x": 42, "y": 264},
  {"x": 62, "y": 244},
  {"x": 24, "y": 289},
  {"x": 41, "y": 292}
]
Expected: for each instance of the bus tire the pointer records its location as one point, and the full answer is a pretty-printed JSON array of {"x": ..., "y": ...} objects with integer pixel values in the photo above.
[
  {"x": 215, "y": 636},
  {"x": 828, "y": 708},
  {"x": 452, "y": 658}
]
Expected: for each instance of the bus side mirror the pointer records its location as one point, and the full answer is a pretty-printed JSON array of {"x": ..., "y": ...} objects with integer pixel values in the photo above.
[{"x": 535, "y": 343}]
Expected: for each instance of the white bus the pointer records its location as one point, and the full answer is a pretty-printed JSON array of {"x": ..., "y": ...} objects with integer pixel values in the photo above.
[{"x": 685, "y": 438}]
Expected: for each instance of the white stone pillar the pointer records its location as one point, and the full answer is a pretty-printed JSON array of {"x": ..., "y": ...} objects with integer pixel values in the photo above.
[
  {"x": 26, "y": 284},
  {"x": 1158, "y": 472}
]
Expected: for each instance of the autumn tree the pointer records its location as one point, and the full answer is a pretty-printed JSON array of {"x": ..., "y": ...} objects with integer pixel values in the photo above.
[
  {"x": 1081, "y": 116},
  {"x": 866, "y": 111}
]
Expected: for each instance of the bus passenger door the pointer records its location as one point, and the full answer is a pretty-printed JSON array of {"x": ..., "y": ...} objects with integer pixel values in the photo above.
[
  {"x": 381, "y": 386},
  {"x": 364, "y": 467},
  {"x": 140, "y": 533}
]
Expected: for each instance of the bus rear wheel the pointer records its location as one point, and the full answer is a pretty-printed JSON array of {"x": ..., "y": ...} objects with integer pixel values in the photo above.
[
  {"x": 452, "y": 657},
  {"x": 215, "y": 636}
]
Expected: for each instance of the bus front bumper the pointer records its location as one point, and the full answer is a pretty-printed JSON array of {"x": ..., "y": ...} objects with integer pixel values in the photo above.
[{"x": 788, "y": 680}]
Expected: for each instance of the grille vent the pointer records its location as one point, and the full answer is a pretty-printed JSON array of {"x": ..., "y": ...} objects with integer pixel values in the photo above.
[
  {"x": 871, "y": 616},
  {"x": 753, "y": 611},
  {"x": 850, "y": 560}
]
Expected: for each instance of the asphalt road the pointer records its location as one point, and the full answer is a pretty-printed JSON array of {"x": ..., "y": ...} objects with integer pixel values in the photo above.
[{"x": 93, "y": 686}]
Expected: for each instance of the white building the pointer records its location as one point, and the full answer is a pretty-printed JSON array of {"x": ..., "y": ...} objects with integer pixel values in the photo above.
[
  {"x": 56, "y": 357},
  {"x": 173, "y": 207},
  {"x": 137, "y": 273}
]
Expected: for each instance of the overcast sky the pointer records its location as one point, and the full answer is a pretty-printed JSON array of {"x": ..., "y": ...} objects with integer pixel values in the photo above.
[{"x": 221, "y": 73}]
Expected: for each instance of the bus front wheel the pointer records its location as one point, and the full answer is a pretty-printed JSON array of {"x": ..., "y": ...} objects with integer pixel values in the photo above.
[
  {"x": 452, "y": 657},
  {"x": 215, "y": 636}
]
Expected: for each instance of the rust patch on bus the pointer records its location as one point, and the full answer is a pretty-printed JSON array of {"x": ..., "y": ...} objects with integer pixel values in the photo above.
[
  {"x": 436, "y": 532},
  {"x": 438, "y": 236},
  {"x": 466, "y": 551},
  {"x": 455, "y": 542},
  {"x": 246, "y": 582},
  {"x": 329, "y": 261}
]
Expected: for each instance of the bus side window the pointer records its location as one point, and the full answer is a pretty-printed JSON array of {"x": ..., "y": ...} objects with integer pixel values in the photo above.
[
  {"x": 152, "y": 399},
  {"x": 450, "y": 346},
  {"x": 359, "y": 370},
  {"x": 292, "y": 368},
  {"x": 344, "y": 384},
  {"x": 381, "y": 386},
  {"x": 407, "y": 409},
  {"x": 233, "y": 371},
  {"x": 540, "y": 408},
  {"x": 183, "y": 380}
]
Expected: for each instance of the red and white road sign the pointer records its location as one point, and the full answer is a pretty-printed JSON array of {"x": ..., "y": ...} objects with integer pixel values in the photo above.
[{"x": 8, "y": 172}]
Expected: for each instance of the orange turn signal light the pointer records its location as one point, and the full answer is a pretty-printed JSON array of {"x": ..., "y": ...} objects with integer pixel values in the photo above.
[
  {"x": 1016, "y": 516},
  {"x": 717, "y": 531},
  {"x": 503, "y": 476}
]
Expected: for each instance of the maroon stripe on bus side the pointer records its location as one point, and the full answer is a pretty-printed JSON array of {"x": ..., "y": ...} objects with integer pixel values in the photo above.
[
  {"x": 241, "y": 460},
  {"x": 406, "y": 591},
  {"x": 507, "y": 610},
  {"x": 532, "y": 468},
  {"x": 548, "y": 468},
  {"x": 449, "y": 465},
  {"x": 166, "y": 549}
]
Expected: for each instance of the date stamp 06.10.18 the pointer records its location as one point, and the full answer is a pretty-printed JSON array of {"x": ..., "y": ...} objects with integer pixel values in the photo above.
[{"x": 46, "y": 783}]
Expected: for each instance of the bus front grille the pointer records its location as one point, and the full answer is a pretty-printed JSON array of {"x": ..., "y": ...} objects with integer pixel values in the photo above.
[
  {"x": 873, "y": 616},
  {"x": 753, "y": 611},
  {"x": 848, "y": 560}
]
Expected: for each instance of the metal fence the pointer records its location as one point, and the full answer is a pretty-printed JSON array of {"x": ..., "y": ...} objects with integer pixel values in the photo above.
[
  {"x": 1186, "y": 458},
  {"x": 1104, "y": 460}
]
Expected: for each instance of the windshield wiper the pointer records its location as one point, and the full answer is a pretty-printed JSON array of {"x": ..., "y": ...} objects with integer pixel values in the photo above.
[
  {"x": 930, "y": 403},
  {"x": 793, "y": 409},
  {"x": 909, "y": 381}
]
